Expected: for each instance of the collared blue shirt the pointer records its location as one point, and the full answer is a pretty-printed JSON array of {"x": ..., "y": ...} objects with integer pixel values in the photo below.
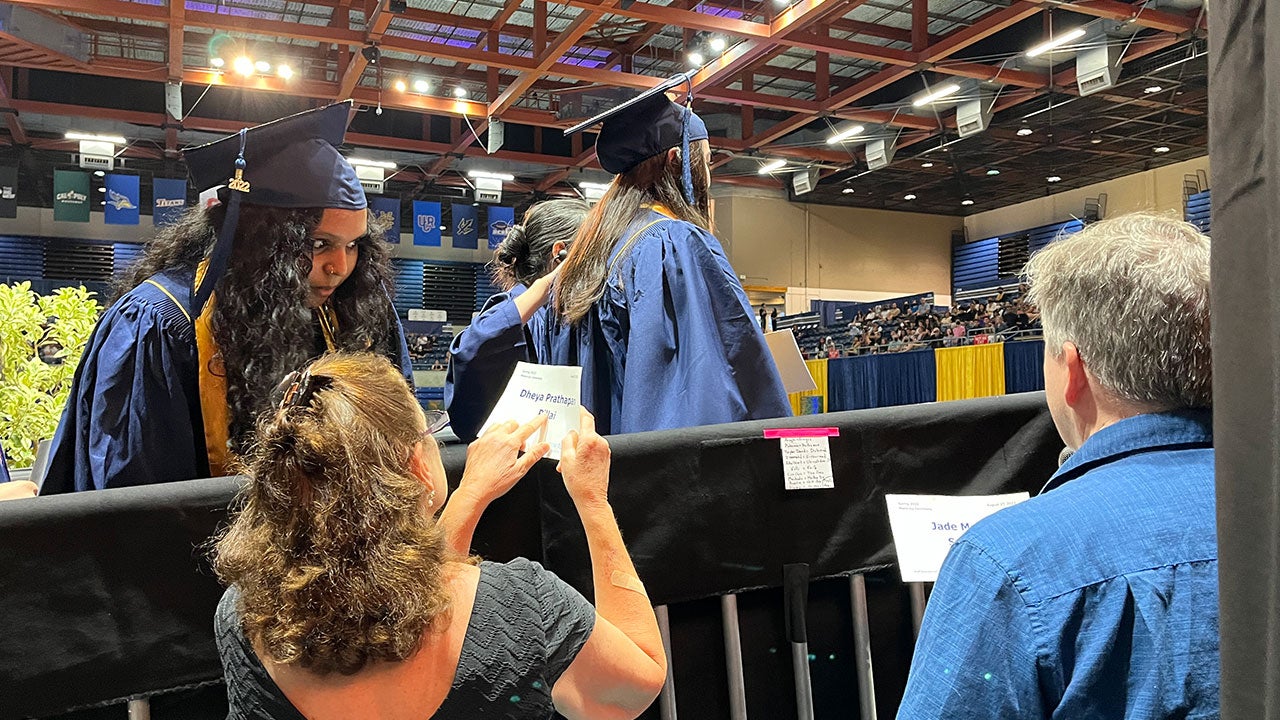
[{"x": 1097, "y": 599}]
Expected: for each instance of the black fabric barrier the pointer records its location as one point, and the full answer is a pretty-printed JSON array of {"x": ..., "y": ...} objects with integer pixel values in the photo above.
[{"x": 107, "y": 594}]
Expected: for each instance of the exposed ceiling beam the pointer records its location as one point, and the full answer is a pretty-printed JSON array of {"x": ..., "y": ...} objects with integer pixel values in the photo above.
[
  {"x": 684, "y": 18},
  {"x": 585, "y": 158},
  {"x": 1137, "y": 13},
  {"x": 376, "y": 25},
  {"x": 11, "y": 119},
  {"x": 580, "y": 26},
  {"x": 177, "y": 22}
]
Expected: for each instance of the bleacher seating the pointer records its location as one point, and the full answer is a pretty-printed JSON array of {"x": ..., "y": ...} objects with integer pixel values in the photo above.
[{"x": 1198, "y": 210}]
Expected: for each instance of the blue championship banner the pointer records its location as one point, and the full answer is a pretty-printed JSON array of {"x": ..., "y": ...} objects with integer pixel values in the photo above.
[
  {"x": 123, "y": 198},
  {"x": 169, "y": 200},
  {"x": 500, "y": 221},
  {"x": 426, "y": 223},
  {"x": 465, "y": 232}
]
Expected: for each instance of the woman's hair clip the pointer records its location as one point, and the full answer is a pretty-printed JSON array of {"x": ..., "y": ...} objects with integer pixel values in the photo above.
[{"x": 299, "y": 387}]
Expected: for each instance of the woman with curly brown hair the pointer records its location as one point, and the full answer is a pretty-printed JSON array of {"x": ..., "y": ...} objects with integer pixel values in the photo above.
[
  {"x": 223, "y": 304},
  {"x": 349, "y": 598}
]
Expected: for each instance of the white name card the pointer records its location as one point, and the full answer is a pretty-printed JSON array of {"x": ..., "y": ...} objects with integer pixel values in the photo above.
[
  {"x": 925, "y": 527},
  {"x": 551, "y": 390}
]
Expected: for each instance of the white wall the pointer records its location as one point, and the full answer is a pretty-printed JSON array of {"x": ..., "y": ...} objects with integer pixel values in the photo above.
[{"x": 1159, "y": 189}]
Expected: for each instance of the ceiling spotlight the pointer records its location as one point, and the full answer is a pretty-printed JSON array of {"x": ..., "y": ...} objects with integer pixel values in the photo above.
[
  {"x": 284, "y": 71},
  {"x": 459, "y": 92},
  {"x": 909, "y": 196},
  {"x": 1057, "y": 42},
  {"x": 938, "y": 94},
  {"x": 771, "y": 166},
  {"x": 845, "y": 134},
  {"x": 1152, "y": 90},
  {"x": 216, "y": 62},
  {"x": 966, "y": 202},
  {"x": 696, "y": 59},
  {"x": 717, "y": 44},
  {"x": 262, "y": 66},
  {"x": 1162, "y": 148},
  {"x": 1053, "y": 179},
  {"x": 421, "y": 86},
  {"x": 243, "y": 66},
  {"x": 1023, "y": 132},
  {"x": 993, "y": 171},
  {"x": 399, "y": 86},
  {"x": 926, "y": 165},
  {"x": 848, "y": 191}
]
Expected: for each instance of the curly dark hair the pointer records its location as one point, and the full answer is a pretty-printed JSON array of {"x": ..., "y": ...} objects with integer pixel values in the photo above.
[
  {"x": 337, "y": 560},
  {"x": 261, "y": 321},
  {"x": 522, "y": 256}
]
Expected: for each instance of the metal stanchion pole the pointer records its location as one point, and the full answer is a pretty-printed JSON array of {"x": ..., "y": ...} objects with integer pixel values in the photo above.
[
  {"x": 862, "y": 646},
  {"x": 140, "y": 709},
  {"x": 795, "y": 595},
  {"x": 917, "y": 604},
  {"x": 667, "y": 700},
  {"x": 733, "y": 657}
]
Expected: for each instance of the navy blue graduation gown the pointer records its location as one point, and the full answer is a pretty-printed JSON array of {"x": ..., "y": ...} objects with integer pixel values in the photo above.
[
  {"x": 672, "y": 343},
  {"x": 133, "y": 416}
]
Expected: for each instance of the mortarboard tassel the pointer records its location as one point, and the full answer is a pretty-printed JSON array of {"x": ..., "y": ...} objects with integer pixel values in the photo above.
[
  {"x": 226, "y": 236},
  {"x": 687, "y": 170}
]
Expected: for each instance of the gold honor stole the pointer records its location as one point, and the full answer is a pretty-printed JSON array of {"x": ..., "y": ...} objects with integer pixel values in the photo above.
[{"x": 213, "y": 380}]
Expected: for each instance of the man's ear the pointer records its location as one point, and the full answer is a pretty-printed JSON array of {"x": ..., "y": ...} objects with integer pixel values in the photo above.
[{"x": 1077, "y": 379}]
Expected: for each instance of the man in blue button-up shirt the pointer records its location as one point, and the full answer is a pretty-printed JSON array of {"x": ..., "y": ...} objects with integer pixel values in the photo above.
[{"x": 1098, "y": 598}]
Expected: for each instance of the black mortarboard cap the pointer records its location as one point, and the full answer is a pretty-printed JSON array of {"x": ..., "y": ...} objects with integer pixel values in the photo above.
[
  {"x": 292, "y": 162},
  {"x": 644, "y": 126}
]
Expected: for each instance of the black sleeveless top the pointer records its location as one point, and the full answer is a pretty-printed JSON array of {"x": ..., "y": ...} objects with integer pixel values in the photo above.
[{"x": 526, "y": 627}]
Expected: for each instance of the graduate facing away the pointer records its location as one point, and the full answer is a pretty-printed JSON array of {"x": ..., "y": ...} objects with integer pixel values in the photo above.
[
  {"x": 225, "y": 303},
  {"x": 645, "y": 300}
]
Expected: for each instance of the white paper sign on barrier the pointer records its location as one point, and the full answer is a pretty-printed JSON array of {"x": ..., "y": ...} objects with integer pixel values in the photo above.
[
  {"x": 925, "y": 526},
  {"x": 551, "y": 390}
]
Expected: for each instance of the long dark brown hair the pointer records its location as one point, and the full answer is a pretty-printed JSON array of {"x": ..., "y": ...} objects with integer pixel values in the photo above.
[
  {"x": 656, "y": 181},
  {"x": 337, "y": 560},
  {"x": 260, "y": 320}
]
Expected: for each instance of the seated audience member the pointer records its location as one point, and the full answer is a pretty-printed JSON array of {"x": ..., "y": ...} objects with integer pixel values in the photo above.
[
  {"x": 1099, "y": 598},
  {"x": 348, "y": 598}
]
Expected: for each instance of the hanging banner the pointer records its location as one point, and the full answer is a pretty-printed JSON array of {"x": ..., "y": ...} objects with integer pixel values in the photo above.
[
  {"x": 169, "y": 200},
  {"x": 8, "y": 191},
  {"x": 465, "y": 231},
  {"x": 500, "y": 221},
  {"x": 122, "y": 200},
  {"x": 387, "y": 208},
  {"x": 426, "y": 223},
  {"x": 70, "y": 196}
]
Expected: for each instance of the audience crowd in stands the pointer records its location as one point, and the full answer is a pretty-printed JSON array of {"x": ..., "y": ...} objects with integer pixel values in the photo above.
[{"x": 918, "y": 324}]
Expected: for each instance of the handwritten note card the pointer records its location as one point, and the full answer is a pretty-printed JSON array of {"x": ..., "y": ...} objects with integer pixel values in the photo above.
[
  {"x": 926, "y": 526},
  {"x": 806, "y": 463},
  {"x": 551, "y": 390}
]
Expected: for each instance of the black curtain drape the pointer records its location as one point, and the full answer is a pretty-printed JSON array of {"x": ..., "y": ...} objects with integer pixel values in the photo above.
[{"x": 1244, "y": 146}]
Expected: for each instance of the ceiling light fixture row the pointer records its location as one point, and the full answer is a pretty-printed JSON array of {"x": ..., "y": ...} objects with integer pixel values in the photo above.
[
  {"x": 246, "y": 66},
  {"x": 704, "y": 47},
  {"x": 422, "y": 86}
]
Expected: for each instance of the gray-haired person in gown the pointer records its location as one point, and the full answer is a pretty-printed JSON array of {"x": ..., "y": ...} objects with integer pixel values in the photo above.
[{"x": 349, "y": 597}]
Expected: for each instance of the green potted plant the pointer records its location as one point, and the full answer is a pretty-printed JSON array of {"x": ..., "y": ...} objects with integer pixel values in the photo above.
[{"x": 41, "y": 341}]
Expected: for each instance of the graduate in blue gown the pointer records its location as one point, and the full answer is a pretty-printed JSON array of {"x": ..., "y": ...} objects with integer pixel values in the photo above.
[
  {"x": 483, "y": 356},
  {"x": 646, "y": 301},
  {"x": 226, "y": 303}
]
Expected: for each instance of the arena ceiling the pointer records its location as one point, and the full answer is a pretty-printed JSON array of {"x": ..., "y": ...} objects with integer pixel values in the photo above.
[{"x": 787, "y": 77}]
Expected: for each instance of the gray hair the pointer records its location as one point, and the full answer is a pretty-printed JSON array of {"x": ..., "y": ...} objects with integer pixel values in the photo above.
[{"x": 1132, "y": 294}]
